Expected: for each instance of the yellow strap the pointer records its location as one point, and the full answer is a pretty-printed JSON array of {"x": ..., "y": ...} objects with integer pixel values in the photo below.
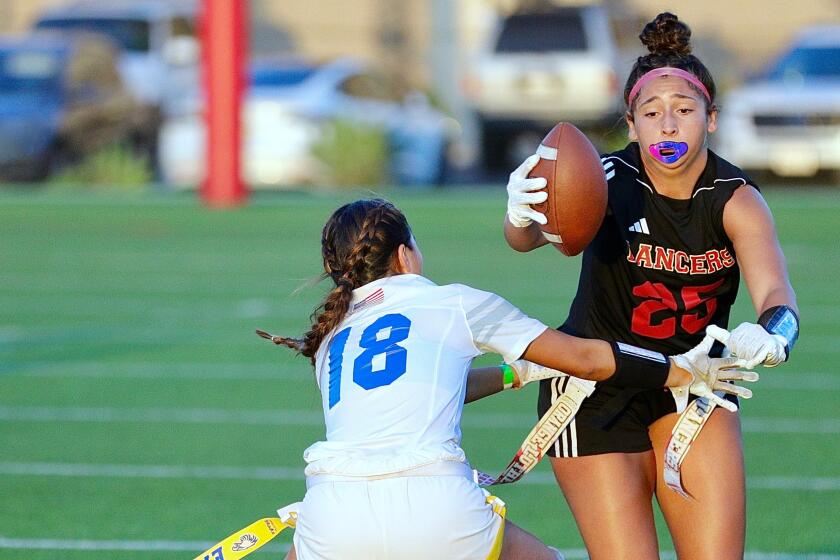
[
  {"x": 245, "y": 541},
  {"x": 499, "y": 509}
]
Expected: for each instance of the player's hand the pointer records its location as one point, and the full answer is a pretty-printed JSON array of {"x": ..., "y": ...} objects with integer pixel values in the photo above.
[
  {"x": 526, "y": 372},
  {"x": 752, "y": 343},
  {"x": 714, "y": 374},
  {"x": 521, "y": 195}
]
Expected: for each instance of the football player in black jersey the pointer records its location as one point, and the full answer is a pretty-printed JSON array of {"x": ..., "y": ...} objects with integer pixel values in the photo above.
[{"x": 682, "y": 225}]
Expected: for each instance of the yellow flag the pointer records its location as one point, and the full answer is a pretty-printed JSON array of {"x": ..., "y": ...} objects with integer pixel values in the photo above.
[{"x": 245, "y": 541}]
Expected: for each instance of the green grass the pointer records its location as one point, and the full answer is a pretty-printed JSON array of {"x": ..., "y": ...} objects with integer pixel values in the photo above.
[{"x": 143, "y": 308}]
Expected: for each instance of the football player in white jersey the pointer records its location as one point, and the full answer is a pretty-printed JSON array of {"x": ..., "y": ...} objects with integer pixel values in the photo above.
[{"x": 392, "y": 354}]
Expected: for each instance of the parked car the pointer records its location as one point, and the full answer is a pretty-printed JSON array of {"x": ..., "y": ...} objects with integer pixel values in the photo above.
[
  {"x": 158, "y": 50},
  {"x": 788, "y": 120},
  {"x": 287, "y": 107},
  {"x": 61, "y": 98},
  {"x": 540, "y": 67}
]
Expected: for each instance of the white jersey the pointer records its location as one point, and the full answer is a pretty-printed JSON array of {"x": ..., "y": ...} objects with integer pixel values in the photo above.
[{"x": 393, "y": 373}]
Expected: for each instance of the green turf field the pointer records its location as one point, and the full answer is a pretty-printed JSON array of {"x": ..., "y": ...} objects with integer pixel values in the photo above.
[{"x": 141, "y": 418}]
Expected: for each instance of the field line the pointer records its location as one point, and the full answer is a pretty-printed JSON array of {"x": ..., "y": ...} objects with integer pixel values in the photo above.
[
  {"x": 475, "y": 420},
  {"x": 72, "y": 310},
  {"x": 291, "y": 474},
  {"x": 199, "y": 546},
  {"x": 161, "y": 415},
  {"x": 152, "y": 370},
  {"x": 152, "y": 471},
  {"x": 773, "y": 425},
  {"x": 799, "y": 381},
  {"x": 122, "y": 545},
  {"x": 794, "y": 381}
]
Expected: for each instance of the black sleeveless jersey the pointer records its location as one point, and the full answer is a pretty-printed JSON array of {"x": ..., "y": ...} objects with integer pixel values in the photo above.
[{"x": 659, "y": 269}]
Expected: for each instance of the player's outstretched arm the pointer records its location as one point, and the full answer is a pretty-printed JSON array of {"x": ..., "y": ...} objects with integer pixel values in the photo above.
[
  {"x": 749, "y": 224},
  {"x": 602, "y": 361},
  {"x": 483, "y": 382},
  {"x": 625, "y": 365},
  {"x": 554, "y": 353}
]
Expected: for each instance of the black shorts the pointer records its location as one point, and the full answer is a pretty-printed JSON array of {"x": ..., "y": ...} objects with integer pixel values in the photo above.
[{"x": 612, "y": 420}]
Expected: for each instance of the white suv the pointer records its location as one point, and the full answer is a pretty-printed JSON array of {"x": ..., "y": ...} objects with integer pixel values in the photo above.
[
  {"x": 789, "y": 121},
  {"x": 541, "y": 67}
]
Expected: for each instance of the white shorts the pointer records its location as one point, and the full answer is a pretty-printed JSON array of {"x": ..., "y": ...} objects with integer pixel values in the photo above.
[{"x": 399, "y": 518}]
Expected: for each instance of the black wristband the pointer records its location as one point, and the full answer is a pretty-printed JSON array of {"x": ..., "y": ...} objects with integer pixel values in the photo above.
[
  {"x": 783, "y": 321},
  {"x": 638, "y": 368}
]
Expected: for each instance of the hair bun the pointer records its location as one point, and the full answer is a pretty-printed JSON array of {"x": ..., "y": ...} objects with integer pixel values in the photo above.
[{"x": 666, "y": 34}]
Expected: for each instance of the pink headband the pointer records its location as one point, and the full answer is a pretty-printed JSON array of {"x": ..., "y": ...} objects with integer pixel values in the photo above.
[{"x": 667, "y": 71}]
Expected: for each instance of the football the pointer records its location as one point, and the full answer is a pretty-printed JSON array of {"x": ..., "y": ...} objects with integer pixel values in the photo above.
[{"x": 576, "y": 186}]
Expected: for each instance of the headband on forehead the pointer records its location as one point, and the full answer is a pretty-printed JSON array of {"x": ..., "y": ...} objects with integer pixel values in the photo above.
[{"x": 667, "y": 71}]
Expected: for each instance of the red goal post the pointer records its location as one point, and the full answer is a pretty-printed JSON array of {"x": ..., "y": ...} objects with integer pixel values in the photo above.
[{"x": 224, "y": 40}]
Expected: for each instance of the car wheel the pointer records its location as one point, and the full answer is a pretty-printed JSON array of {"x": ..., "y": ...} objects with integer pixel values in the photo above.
[
  {"x": 522, "y": 146},
  {"x": 835, "y": 178},
  {"x": 57, "y": 160},
  {"x": 36, "y": 170},
  {"x": 493, "y": 146},
  {"x": 443, "y": 168}
]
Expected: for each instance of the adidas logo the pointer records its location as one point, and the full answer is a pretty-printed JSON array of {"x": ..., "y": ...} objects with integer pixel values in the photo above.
[
  {"x": 608, "y": 169},
  {"x": 640, "y": 227}
]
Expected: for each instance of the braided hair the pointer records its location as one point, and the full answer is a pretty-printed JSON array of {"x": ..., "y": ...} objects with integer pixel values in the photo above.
[
  {"x": 358, "y": 245},
  {"x": 668, "y": 40}
]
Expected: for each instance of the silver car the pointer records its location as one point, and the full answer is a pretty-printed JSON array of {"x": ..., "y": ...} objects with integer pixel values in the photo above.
[
  {"x": 788, "y": 122},
  {"x": 288, "y": 107}
]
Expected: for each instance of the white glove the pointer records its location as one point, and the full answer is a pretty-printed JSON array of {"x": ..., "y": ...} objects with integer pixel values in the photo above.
[
  {"x": 521, "y": 194},
  {"x": 752, "y": 343},
  {"x": 526, "y": 372},
  {"x": 712, "y": 374}
]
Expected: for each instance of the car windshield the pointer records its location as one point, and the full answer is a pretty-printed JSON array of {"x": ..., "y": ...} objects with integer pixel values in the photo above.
[
  {"x": 131, "y": 35},
  {"x": 29, "y": 71},
  {"x": 557, "y": 31},
  {"x": 823, "y": 62},
  {"x": 280, "y": 77}
]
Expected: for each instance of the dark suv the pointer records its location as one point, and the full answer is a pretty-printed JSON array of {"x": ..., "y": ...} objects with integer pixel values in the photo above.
[{"x": 61, "y": 97}]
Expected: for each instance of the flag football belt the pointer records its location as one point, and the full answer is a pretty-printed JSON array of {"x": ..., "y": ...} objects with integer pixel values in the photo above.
[
  {"x": 544, "y": 434},
  {"x": 253, "y": 537},
  {"x": 260, "y": 532},
  {"x": 685, "y": 431},
  {"x": 439, "y": 468}
]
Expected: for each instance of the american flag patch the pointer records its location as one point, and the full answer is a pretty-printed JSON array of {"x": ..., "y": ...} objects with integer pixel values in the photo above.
[{"x": 374, "y": 298}]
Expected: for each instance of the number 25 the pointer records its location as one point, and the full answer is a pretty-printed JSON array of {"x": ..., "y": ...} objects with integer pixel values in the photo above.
[{"x": 659, "y": 298}]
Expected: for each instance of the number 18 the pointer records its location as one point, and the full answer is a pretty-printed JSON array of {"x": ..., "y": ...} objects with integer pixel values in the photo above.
[{"x": 363, "y": 373}]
